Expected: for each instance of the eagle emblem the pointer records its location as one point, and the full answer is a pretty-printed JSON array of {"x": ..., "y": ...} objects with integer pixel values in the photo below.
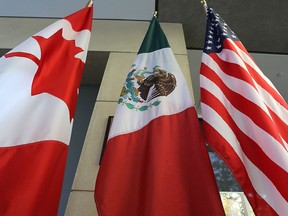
[{"x": 142, "y": 86}]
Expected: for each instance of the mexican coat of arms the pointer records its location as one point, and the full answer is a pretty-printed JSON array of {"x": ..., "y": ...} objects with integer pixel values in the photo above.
[{"x": 142, "y": 86}]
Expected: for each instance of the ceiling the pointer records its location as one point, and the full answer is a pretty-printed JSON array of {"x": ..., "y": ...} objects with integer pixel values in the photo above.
[{"x": 261, "y": 25}]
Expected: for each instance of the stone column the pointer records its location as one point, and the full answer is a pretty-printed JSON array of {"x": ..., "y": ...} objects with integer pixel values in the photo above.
[{"x": 122, "y": 39}]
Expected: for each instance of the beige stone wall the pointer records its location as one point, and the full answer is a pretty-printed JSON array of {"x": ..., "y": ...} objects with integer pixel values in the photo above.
[{"x": 122, "y": 39}]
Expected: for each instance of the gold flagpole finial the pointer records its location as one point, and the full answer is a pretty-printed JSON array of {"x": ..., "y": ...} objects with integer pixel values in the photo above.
[
  {"x": 203, "y": 2},
  {"x": 155, "y": 14},
  {"x": 89, "y": 3}
]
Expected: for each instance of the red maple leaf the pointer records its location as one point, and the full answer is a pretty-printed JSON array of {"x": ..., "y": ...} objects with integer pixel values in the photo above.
[{"x": 59, "y": 72}]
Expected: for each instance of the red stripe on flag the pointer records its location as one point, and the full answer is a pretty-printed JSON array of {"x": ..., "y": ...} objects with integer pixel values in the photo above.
[
  {"x": 161, "y": 169},
  {"x": 31, "y": 178},
  {"x": 275, "y": 173}
]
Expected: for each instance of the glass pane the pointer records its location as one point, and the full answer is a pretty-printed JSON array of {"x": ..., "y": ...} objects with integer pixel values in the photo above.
[
  {"x": 235, "y": 204},
  {"x": 224, "y": 177}
]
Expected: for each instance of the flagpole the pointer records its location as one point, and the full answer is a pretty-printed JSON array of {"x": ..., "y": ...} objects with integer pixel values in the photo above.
[{"x": 89, "y": 3}]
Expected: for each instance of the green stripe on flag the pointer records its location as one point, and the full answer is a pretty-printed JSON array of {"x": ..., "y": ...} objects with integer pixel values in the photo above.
[{"x": 155, "y": 38}]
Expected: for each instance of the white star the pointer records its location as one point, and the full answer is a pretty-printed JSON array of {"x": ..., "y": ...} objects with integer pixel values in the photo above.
[
  {"x": 211, "y": 32},
  {"x": 208, "y": 48},
  {"x": 224, "y": 34},
  {"x": 219, "y": 46},
  {"x": 209, "y": 42},
  {"x": 209, "y": 36}
]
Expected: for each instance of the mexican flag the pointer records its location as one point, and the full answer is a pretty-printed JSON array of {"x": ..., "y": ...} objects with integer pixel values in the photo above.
[
  {"x": 155, "y": 161},
  {"x": 39, "y": 81}
]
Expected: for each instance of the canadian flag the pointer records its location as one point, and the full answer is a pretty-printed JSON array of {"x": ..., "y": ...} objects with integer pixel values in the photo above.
[{"x": 39, "y": 82}]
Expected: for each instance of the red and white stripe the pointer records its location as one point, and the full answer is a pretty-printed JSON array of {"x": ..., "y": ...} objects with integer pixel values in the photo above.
[{"x": 246, "y": 123}]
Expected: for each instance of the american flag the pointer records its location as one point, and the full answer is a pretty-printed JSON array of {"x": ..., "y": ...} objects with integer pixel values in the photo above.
[{"x": 245, "y": 118}]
